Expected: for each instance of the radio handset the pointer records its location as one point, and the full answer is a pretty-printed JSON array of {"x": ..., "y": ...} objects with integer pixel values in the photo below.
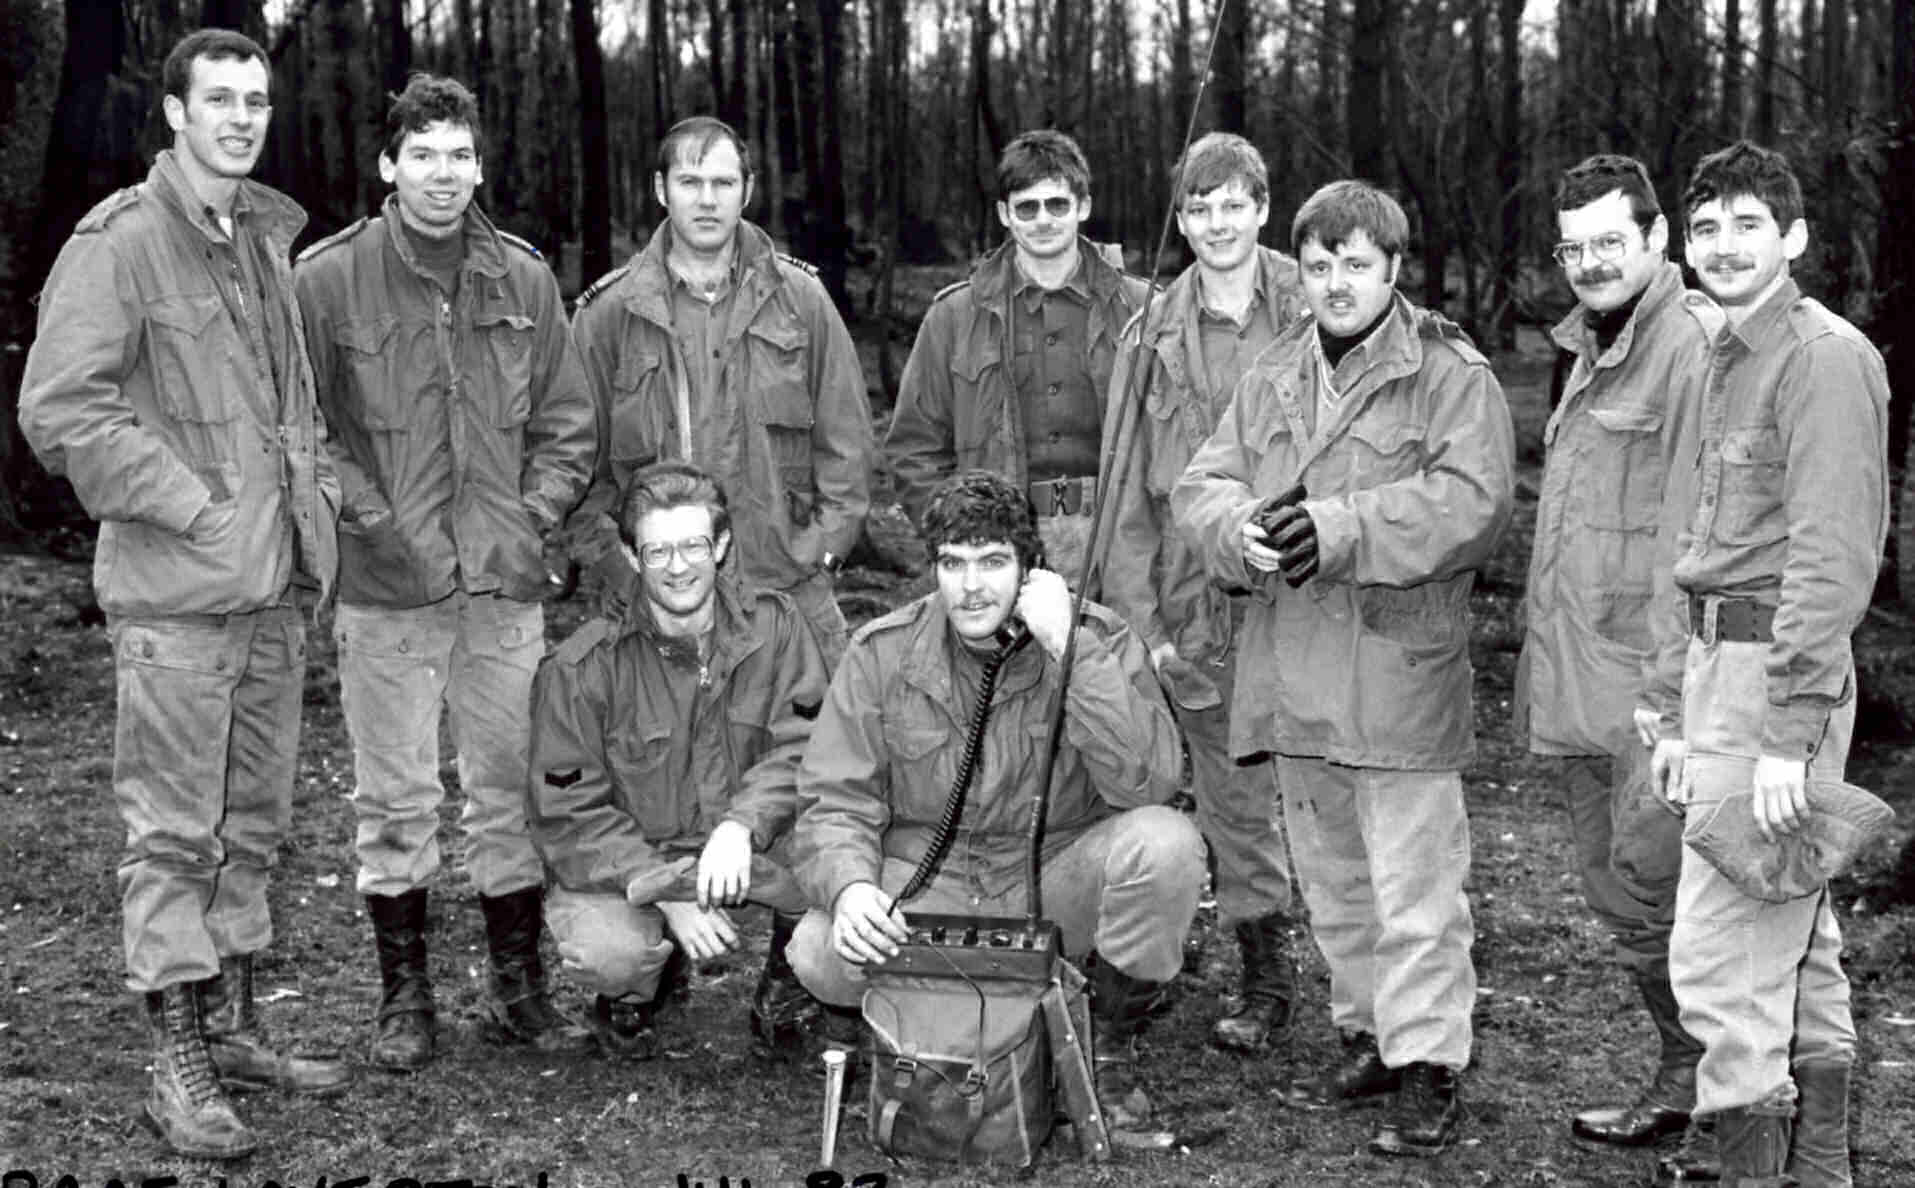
[{"x": 1012, "y": 635}]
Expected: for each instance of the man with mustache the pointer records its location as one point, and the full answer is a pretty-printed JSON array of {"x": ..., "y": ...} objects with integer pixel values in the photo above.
[
  {"x": 1012, "y": 365},
  {"x": 1639, "y": 345},
  {"x": 463, "y": 432},
  {"x": 168, "y": 382},
  {"x": 1775, "y": 534},
  {"x": 1204, "y": 333},
  {"x": 711, "y": 347},
  {"x": 1121, "y": 870},
  {"x": 1357, "y": 641},
  {"x": 665, "y": 750}
]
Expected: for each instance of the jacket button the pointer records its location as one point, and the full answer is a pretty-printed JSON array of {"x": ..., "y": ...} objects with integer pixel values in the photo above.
[
  {"x": 146, "y": 648},
  {"x": 219, "y": 665}
]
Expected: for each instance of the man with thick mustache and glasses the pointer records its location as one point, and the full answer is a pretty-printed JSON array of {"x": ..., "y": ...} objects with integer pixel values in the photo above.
[
  {"x": 1204, "y": 333},
  {"x": 665, "y": 750},
  {"x": 1639, "y": 344},
  {"x": 463, "y": 431},
  {"x": 1012, "y": 365},
  {"x": 1357, "y": 674},
  {"x": 168, "y": 382},
  {"x": 1775, "y": 531}
]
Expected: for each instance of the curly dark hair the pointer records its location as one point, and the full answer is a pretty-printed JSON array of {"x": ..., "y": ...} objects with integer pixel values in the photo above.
[
  {"x": 979, "y": 507},
  {"x": 1746, "y": 168},
  {"x": 427, "y": 100}
]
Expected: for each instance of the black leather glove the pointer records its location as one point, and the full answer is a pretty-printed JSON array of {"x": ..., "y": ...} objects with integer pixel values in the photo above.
[{"x": 1294, "y": 535}]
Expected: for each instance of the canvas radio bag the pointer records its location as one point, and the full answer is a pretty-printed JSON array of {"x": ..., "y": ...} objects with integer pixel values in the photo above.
[{"x": 960, "y": 1067}]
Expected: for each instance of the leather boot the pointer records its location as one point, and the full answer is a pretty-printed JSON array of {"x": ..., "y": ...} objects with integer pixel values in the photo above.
[
  {"x": 625, "y": 1027},
  {"x": 1694, "y": 1159},
  {"x": 1820, "y": 1156},
  {"x": 402, "y": 1041},
  {"x": 186, "y": 1104},
  {"x": 1359, "y": 1074},
  {"x": 1754, "y": 1149},
  {"x": 1269, "y": 986},
  {"x": 238, "y": 1044},
  {"x": 518, "y": 1010},
  {"x": 1119, "y": 1007},
  {"x": 783, "y": 1012},
  {"x": 1662, "y": 1110},
  {"x": 1424, "y": 1118}
]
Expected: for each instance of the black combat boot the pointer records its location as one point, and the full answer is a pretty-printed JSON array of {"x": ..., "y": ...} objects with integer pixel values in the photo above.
[
  {"x": 238, "y": 1044},
  {"x": 1119, "y": 1007},
  {"x": 186, "y": 1104},
  {"x": 783, "y": 1012},
  {"x": 1359, "y": 1074},
  {"x": 1663, "y": 1108},
  {"x": 625, "y": 1026},
  {"x": 1424, "y": 1118},
  {"x": 403, "y": 1039},
  {"x": 1754, "y": 1149},
  {"x": 518, "y": 1010},
  {"x": 1819, "y": 1157},
  {"x": 1694, "y": 1159},
  {"x": 1269, "y": 986}
]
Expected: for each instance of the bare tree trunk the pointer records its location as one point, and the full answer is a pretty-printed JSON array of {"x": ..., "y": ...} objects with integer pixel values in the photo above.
[
  {"x": 1895, "y": 264},
  {"x": 1329, "y": 35},
  {"x": 658, "y": 37},
  {"x": 1365, "y": 100},
  {"x": 732, "y": 102},
  {"x": 827, "y": 185},
  {"x": 715, "y": 50},
  {"x": 398, "y": 46},
  {"x": 1509, "y": 175},
  {"x": 1765, "y": 51},
  {"x": 595, "y": 156},
  {"x": 1233, "y": 63},
  {"x": 1729, "y": 126}
]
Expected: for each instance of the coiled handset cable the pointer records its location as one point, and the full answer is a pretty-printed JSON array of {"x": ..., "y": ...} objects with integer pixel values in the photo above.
[{"x": 1010, "y": 640}]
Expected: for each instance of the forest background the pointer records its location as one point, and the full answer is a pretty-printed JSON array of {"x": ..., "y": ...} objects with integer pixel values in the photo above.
[{"x": 877, "y": 123}]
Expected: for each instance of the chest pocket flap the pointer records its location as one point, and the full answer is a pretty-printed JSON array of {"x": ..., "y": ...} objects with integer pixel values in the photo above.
[{"x": 181, "y": 329}]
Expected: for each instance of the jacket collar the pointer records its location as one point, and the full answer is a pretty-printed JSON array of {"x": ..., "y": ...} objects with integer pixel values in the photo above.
[
  {"x": 265, "y": 209},
  {"x": 996, "y": 274},
  {"x": 649, "y": 283},
  {"x": 1392, "y": 348},
  {"x": 1765, "y": 320},
  {"x": 734, "y": 621},
  {"x": 1576, "y": 335},
  {"x": 1182, "y": 301},
  {"x": 484, "y": 250},
  {"x": 932, "y": 650}
]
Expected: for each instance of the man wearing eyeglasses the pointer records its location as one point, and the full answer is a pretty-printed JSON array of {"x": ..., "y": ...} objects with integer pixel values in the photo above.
[
  {"x": 1012, "y": 366},
  {"x": 1639, "y": 344},
  {"x": 462, "y": 428},
  {"x": 662, "y": 781},
  {"x": 712, "y": 347}
]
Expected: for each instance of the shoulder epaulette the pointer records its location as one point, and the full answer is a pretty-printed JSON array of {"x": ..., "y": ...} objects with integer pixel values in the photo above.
[
  {"x": 893, "y": 620},
  {"x": 580, "y": 643},
  {"x": 949, "y": 289},
  {"x": 103, "y": 211},
  {"x": 337, "y": 237},
  {"x": 1704, "y": 311},
  {"x": 1435, "y": 326},
  {"x": 599, "y": 286},
  {"x": 521, "y": 244},
  {"x": 1811, "y": 319},
  {"x": 801, "y": 265}
]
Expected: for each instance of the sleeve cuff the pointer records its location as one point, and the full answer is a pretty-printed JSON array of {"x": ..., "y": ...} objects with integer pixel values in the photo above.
[
  {"x": 1794, "y": 732},
  {"x": 1336, "y": 536}
]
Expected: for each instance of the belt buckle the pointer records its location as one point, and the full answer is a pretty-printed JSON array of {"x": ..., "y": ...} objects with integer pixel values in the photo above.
[
  {"x": 1711, "y": 625},
  {"x": 1062, "y": 493}
]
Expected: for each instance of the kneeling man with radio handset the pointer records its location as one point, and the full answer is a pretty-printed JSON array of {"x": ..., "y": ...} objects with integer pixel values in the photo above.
[{"x": 1121, "y": 871}]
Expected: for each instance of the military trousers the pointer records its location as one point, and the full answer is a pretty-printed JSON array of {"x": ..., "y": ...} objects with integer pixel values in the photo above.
[
  {"x": 470, "y": 658},
  {"x": 1127, "y": 887},
  {"x": 205, "y": 739},
  {"x": 1760, "y": 984}
]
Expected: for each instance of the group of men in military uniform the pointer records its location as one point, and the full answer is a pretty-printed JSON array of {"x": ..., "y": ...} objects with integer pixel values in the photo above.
[{"x": 1300, "y": 474}]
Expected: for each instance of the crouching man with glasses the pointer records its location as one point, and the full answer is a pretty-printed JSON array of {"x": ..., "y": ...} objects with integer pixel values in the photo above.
[{"x": 662, "y": 784}]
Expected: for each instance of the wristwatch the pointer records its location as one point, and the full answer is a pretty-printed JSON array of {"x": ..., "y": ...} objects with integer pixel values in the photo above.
[{"x": 831, "y": 563}]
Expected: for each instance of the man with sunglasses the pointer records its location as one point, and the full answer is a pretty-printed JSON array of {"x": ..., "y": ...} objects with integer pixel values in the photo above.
[
  {"x": 463, "y": 432},
  {"x": 1012, "y": 365},
  {"x": 665, "y": 747},
  {"x": 1639, "y": 343}
]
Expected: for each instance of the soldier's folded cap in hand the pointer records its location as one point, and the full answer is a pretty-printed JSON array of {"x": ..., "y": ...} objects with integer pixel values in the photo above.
[{"x": 1842, "y": 819}]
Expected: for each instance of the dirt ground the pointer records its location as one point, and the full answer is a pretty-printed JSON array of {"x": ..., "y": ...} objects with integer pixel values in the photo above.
[{"x": 1556, "y": 1024}]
